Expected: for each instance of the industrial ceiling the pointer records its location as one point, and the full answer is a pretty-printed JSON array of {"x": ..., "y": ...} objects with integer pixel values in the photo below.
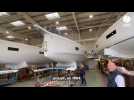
[{"x": 81, "y": 26}]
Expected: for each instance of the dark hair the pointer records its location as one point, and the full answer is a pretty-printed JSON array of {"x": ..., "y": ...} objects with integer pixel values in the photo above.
[{"x": 117, "y": 62}]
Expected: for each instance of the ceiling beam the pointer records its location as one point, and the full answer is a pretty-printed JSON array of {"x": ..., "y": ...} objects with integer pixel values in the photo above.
[
  {"x": 95, "y": 26},
  {"x": 85, "y": 40},
  {"x": 16, "y": 35},
  {"x": 32, "y": 21},
  {"x": 76, "y": 23},
  {"x": 27, "y": 18},
  {"x": 82, "y": 18},
  {"x": 8, "y": 19},
  {"x": 64, "y": 17}
]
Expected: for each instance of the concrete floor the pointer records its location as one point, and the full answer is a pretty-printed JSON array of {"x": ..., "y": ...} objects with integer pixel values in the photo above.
[{"x": 94, "y": 79}]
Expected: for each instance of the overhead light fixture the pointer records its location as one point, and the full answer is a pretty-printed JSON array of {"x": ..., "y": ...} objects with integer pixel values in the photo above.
[
  {"x": 26, "y": 39},
  {"x": 52, "y": 16},
  {"x": 57, "y": 23},
  {"x": 90, "y": 30},
  {"x": 7, "y": 32},
  {"x": 10, "y": 37},
  {"x": 18, "y": 23},
  {"x": 126, "y": 19},
  {"x": 61, "y": 28},
  {"x": 29, "y": 27},
  {"x": 91, "y": 16},
  {"x": 3, "y": 13},
  {"x": 66, "y": 33}
]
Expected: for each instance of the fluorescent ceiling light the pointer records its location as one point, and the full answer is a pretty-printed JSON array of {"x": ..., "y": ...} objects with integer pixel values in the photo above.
[
  {"x": 126, "y": 19},
  {"x": 10, "y": 37},
  {"x": 91, "y": 16},
  {"x": 18, "y": 23},
  {"x": 66, "y": 33},
  {"x": 57, "y": 23},
  {"x": 3, "y": 13},
  {"x": 61, "y": 28},
  {"x": 90, "y": 30},
  {"x": 29, "y": 27},
  {"x": 53, "y": 16},
  {"x": 26, "y": 39},
  {"x": 7, "y": 32}
]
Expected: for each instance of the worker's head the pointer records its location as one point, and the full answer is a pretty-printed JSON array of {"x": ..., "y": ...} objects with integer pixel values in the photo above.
[
  {"x": 111, "y": 66},
  {"x": 81, "y": 65}
]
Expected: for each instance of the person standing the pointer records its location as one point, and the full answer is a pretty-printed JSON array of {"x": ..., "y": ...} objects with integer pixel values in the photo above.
[
  {"x": 82, "y": 74},
  {"x": 115, "y": 77}
]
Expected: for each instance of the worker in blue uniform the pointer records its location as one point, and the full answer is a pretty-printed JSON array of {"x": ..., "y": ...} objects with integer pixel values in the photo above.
[{"x": 82, "y": 74}]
